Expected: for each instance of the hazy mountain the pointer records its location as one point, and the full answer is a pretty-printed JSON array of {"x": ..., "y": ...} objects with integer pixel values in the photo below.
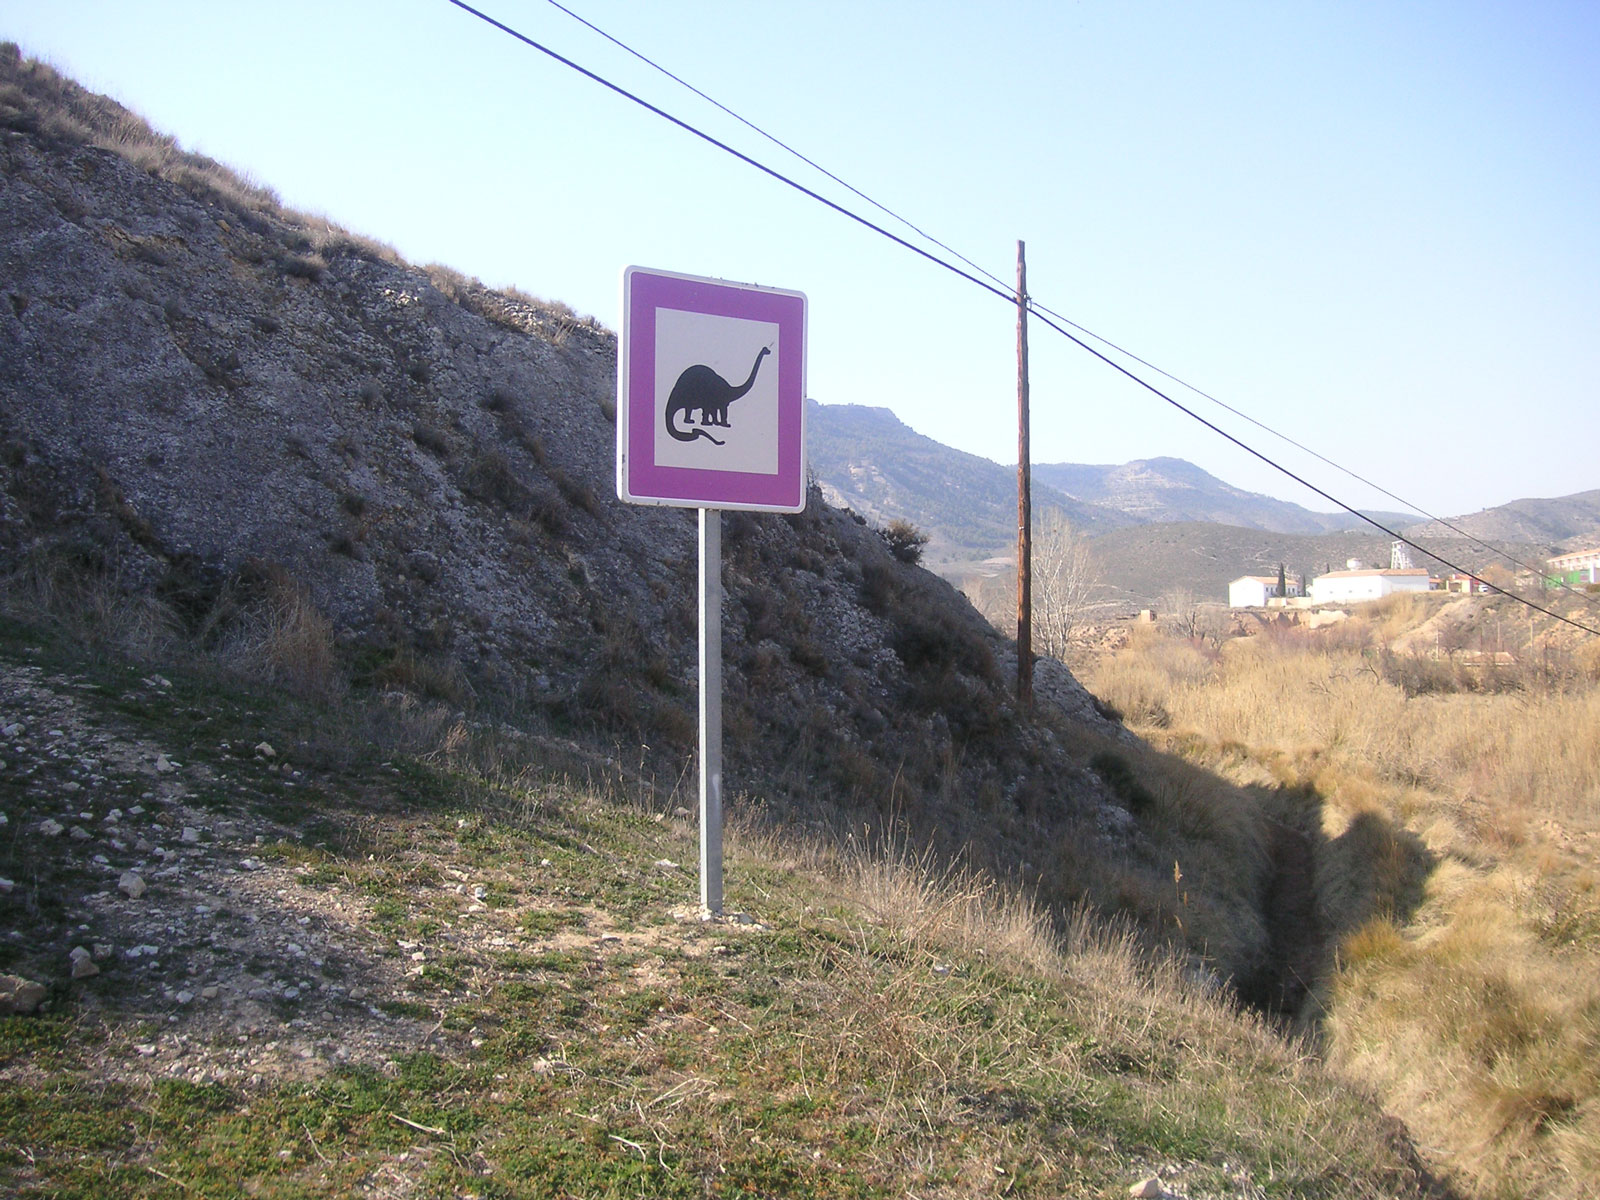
[
  {"x": 1159, "y": 524},
  {"x": 871, "y": 461},
  {"x": 1171, "y": 489},
  {"x": 868, "y": 460},
  {"x": 1560, "y": 523}
]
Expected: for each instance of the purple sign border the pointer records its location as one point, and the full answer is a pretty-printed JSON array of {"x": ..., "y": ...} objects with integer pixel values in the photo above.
[{"x": 639, "y": 479}]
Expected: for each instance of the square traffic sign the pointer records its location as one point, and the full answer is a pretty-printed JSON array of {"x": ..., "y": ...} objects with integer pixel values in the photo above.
[{"x": 710, "y": 393}]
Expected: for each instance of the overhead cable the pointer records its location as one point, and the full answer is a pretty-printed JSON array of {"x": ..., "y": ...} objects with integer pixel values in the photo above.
[
  {"x": 778, "y": 142},
  {"x": 1001, "y": 292},
  {"x": 1244, "y": 416},
  {"x": 1102, "y": 340}
]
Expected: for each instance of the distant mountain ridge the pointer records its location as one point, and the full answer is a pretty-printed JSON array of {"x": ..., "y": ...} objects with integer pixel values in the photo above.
[
  {"x": 1561, "y": 522},
  {"x": 869, "y": 460},
  {"x": 1158, "y": 524},
  {"x": 1158, "y": 490}
]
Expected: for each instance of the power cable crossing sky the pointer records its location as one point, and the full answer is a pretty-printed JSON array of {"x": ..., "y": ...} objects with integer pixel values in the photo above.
[{"x": 1041, "y": 313}]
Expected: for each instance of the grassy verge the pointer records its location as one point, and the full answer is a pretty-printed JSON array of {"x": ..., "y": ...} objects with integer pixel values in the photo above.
[{"x": 547, "y": 1016}]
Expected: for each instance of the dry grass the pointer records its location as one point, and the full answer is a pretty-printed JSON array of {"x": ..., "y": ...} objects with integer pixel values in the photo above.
[
  {"x": 86, "y": 594},
  {"x": 1458, "y": 835},
  {"x": 286, "y": 639},
  {"x": 1105, "y": 1001}
]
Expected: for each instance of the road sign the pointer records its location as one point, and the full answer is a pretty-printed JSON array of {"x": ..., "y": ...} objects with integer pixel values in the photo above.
[{"x": 711, "y": 393}]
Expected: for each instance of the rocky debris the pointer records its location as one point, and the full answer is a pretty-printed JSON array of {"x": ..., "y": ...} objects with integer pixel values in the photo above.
[
  {"x": 197, "y": 930},
  {"x": 19, "y": 996},
  {"x": 1147, "y": 1189}
]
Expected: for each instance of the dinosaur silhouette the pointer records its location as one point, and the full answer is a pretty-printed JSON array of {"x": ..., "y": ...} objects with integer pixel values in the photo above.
[{"x": 701, "y": 390}]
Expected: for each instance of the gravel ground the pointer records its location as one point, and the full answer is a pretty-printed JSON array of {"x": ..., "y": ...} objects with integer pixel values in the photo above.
[{"x": 150, "y": 892}]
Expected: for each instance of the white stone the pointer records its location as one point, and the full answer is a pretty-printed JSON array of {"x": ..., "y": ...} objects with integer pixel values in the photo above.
[
  {"x": 1147, "y": 1189},
  {"x": 82, "y": 963},
  {"x": 164, "y": 764},
  {"x": 191, "y": 835},
  {"x": 265, "y": 750},
  {"x": 51, "y": 828}
]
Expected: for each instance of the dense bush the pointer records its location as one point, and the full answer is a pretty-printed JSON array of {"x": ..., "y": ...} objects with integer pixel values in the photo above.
[{"x": 905, "y": 540}]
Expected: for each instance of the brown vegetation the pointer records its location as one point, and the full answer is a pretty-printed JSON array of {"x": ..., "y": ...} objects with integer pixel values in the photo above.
[{"x": 1458, "y": 816}]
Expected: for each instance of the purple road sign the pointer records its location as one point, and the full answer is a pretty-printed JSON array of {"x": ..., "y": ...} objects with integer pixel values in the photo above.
[{"x": 711, "y": 384}]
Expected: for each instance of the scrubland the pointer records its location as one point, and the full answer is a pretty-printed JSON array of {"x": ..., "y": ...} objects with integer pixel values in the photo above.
[
  {"x": 501, "y": 987},
  {"x": 1457, "y": 820}
]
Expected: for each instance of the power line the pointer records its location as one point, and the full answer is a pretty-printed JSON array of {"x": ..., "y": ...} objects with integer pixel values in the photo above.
[
  {"x": 1501, "y": 553},
  {"x": 1376, "y": 524},
  {"x": 1008, "y": 296},
  {"x": 919, "y": 231},
  {"x": 778, "y": 142}
]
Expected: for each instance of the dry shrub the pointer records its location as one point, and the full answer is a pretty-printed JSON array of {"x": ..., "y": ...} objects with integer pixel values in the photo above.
[
  {"x": 1377, "y": 941},
  {"x": 82, "y": 589},
  {"x": 1451, "y": 824},
  {"x": 283, "y": 637},
  {"x": 924, "y": 903},
  {"x": 423, "y": 675}
]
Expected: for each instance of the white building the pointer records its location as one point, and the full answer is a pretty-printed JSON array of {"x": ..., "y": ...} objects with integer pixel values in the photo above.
[
  {"x": 1253, "y": 591},
  {"x": 1580, "y": 568},
  {"x": 1352, "y": 587}
]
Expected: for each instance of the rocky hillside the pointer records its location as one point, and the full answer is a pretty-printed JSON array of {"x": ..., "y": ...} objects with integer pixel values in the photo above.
[
  {"x": 868, "y": 460},
  {"x": 1562, "y": 523},
  {"x": 223, "y": 422}
]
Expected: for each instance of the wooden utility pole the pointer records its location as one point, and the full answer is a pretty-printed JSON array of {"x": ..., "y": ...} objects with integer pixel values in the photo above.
[{"x": 1024, "y": 498}]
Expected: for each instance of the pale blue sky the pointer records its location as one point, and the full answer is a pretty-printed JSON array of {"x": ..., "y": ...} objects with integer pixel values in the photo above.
[{"x": 1375, "y": 226}]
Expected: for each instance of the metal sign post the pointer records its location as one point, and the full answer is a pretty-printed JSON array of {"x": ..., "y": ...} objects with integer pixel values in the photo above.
[
  {"x": 710, "y": 415},
  {"x": 711, "y": 710}
]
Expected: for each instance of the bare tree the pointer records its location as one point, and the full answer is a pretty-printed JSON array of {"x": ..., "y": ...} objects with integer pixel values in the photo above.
[
  {"x": 1066, "y": 581},
  {"x": 1180, "y": 610}
]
